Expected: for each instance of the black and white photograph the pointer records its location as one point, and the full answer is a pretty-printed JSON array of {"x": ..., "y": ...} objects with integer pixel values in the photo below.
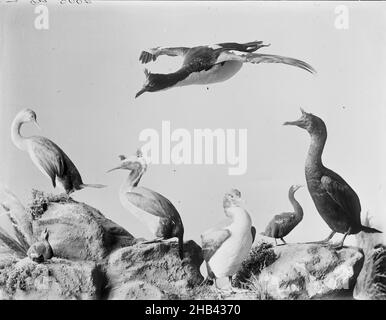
[{"x": 192, "y": 150}]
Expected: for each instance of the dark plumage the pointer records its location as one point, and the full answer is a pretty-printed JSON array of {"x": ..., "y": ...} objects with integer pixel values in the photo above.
[
  {"x": 282, "y": 224},
  {"x": 152, "y": 208},
  {"x": 336, "y": 202},
  {"x": 208, "y": 64},
  {"x": 48, "y": 157}
]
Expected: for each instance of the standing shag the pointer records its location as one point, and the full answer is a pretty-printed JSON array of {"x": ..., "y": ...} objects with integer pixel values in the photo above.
[
  {"x": 226, "y": 248},
  {"x": 282, "y": 224},
  {"x": 150, "y": 207},
  {"x": 335, "y": 200},
  {"x": 208, "y": 64},
  {"x": 47, "y": 156}
]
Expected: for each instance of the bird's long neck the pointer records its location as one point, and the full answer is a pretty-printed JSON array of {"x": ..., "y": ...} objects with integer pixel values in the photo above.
[
  {"x": 174, "y": 78},
  {"x": 18, "y": 140},
  {"x": 240, "y": 218},
  {"x": 296, "y": 205},
  {"x": 132, "y": 180},
  {"x": 314, "y": 156}
]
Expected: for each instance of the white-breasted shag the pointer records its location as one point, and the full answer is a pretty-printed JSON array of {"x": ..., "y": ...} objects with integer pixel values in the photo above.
[
  {"x": 150, "y": 207},
  {"x": 224, "y": 249},
  {"x": 336, "y": 202},
  {"x": 208, "y": 64},
  {"x": 47, "y": 156},
  {"x": 282, "y": 224}
]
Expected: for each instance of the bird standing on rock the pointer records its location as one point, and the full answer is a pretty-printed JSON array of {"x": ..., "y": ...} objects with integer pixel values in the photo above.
[
  {"x": 282, "y": 224},
  {"x": 150, "y": 207},
  {"x": 208, "y": 64},
  {"x": 225, "y": 249},
  {"x": 41, "y": 250},
  {"x": 47, "y": 156},
  {"x": 336, "y": 202}
]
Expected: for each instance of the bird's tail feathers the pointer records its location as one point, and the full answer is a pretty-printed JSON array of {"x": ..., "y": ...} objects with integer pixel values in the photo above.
[
  {"x": 90, "y": 185},
  {"x": 370, "y": 230},
  {"x": 271, "y": 58}
]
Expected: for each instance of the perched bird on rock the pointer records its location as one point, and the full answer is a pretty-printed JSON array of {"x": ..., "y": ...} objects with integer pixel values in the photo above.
[
  {"x": 336, "y": 202},
  {"x": 41, "y": 250},
  {"x": 150, "y": 207},
  {"x": 47, "y": 156},
  {"x": 282, "y": 224},
  {"x": 224, "y": 249}
]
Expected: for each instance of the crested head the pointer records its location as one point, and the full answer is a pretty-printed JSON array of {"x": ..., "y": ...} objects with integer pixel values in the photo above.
[
  {"x": 160, "y": 81},
  {"x": 295, "y": 187},
  {"x": 232, "y": 198},
  {"x": 153, "y": 82},
  {"x": 310, "y": 122},
  {"x": 133, "y": 163},
  {"x": 26, "y": 115}
]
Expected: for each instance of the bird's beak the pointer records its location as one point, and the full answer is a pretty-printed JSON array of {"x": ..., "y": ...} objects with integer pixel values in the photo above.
[
  {"x": 299, "y": 122},
  {"x": 37, "y": 124},
  {"x": 116, "y": 168},
  {"x": 143, "y": 90},
  {"x": 293, "y": 123}
]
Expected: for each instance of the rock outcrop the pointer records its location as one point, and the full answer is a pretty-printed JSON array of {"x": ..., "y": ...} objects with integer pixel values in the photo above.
[
  {"x": 371, "y": 282},
  {"x": 154, "y": 271},
  {"x": 57, "y": 279},
  {"x": 77, "y": 231},
  {"x": 310, "y": 271},
  {"x": 94, "y": 258}
]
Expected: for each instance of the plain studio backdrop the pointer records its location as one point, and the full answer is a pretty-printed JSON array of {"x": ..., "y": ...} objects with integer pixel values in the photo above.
[{"x": 81, "y": 76}]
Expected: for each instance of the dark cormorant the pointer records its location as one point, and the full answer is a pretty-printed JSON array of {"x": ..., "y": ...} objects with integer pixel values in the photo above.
[
  {"x": 282, "y": 224},
  {"x": 336, "y": 202}
]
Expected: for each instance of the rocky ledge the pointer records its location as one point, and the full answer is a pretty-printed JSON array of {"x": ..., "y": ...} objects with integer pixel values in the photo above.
[{"x": 94, "y": 258}]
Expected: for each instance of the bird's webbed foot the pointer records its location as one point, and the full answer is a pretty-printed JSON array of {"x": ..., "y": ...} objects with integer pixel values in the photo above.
[
  {"x": 339, "y": 245},
  {"x": 325, "y": 241}
]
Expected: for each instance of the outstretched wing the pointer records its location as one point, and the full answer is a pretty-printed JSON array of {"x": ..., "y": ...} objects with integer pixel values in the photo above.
[
  {"x": 153, "y": 203},
  {"x": 212, "y": 240},
  {"x": 243, "y": 47},
  {"x": 344, "y": 196},
  {"x": 48, "y": 157},
  {"x": 152, "y": 54},
  {"x": 256, "y": 58}
]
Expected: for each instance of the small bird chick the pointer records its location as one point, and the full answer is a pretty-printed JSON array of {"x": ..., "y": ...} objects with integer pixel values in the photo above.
[{"x": 41, "y": 250}]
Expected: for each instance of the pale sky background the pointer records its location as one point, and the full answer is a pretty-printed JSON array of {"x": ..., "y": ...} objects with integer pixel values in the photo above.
[{"x": 81, "y": 75}]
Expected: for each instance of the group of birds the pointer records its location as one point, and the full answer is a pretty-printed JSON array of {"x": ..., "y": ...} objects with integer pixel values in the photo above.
[{"x": 224, "y": 249}]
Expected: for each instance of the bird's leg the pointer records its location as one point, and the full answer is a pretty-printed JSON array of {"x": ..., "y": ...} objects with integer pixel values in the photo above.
[
  {"x": 204, "y": 282},
  {"x": 327, "y": 239},
  {"x": 275, "y": 242},
  {"x": 340, "y": 244},
  {"x": 218, "y": 290},
  {"x": 283, "y": 241}
]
